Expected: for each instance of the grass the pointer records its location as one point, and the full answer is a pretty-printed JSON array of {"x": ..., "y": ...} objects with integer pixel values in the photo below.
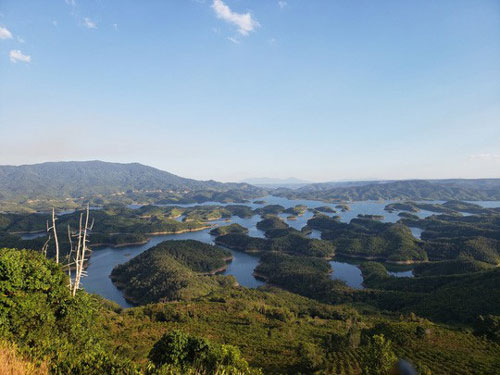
[{"x": 11, "y": 363}]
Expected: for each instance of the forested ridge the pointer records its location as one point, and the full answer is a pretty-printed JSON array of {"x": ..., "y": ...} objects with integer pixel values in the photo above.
[{"x": 189, "y": 320}]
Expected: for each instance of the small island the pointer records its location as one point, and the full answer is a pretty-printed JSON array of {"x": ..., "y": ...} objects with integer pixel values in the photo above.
[
  {"x": 173, "y": 271},
  {"x": 325, "y": 209},
  {"x": 343, "y": 207},
  {"x": 226, "y": 229}
]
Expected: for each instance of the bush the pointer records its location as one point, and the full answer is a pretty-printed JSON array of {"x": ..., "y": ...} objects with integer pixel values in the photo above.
[
  {"x": 189, "y": 352},
  {"x": 38, "y": 313}
]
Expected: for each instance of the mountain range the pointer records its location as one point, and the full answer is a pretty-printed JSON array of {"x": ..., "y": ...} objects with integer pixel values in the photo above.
[{"x": 78, "y": 179}]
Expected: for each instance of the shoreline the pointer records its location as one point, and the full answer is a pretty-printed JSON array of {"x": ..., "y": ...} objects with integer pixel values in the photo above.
[
  {"x": 384, "y": 260},
  {"x": 104, "y": 244}
]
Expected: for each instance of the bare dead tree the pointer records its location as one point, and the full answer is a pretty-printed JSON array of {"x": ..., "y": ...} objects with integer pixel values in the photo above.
[
  {"x": 46, "y": 246},
  {"x": 68, "y": 262},
  {"x": 54, "y": 231},
  {"x": 81, "y": 251}
]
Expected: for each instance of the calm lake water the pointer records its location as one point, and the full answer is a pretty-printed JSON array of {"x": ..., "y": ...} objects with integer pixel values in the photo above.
[{"x": 105, "y": 259}]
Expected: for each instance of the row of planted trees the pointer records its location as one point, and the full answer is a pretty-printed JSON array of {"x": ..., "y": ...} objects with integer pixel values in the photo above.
[{"x": 78, "y": 251}]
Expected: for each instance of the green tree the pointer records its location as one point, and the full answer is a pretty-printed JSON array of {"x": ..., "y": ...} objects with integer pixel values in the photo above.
[
  {"x": 179, "y": 350},
  {"x": 378, "y": 358}
]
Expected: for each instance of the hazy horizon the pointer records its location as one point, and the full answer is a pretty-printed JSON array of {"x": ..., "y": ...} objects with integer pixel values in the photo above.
[
  {"x": 238, "y": 89},
  {"x": 249, "y": 180}
]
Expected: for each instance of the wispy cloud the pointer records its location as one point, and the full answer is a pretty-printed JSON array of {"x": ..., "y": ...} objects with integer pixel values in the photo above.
[
  {"x": 54, "y": 22},
  {"x": 70, "y": 2},
  {"x": 4, "y": 33},
  {"x": 89, "y": 24},
  {"x": 20, "y": 40},
  {"x": 282, "y": 4},
  {"x": 486, "y": 156},
  {"x": 234, "y": 40},
  {"x": 16, "y": 55},
  {"x": 115, "y": 26},
  {"x": 244, "y": 21}
]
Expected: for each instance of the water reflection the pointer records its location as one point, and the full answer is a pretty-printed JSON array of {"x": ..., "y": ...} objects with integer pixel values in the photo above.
[
  {"x": 243, "y": 265},
  {"x": 31, "y": 236},
  {"x": 347, "y": 272}
]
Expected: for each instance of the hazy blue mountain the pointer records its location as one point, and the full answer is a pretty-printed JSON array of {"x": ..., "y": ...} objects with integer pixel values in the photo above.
[
  {"x": 75, "y": 179},
  {"x": 273, "y": 183},
  {"x": 451, "y": 189}
]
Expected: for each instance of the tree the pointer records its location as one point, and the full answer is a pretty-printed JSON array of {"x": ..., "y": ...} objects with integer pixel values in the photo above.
[
  {"x": 179, "y": 350},
  {"x": 378, "y": 358}
]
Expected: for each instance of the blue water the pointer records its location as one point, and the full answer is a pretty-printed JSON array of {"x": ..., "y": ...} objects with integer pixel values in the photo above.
[
  {"x": 242, "y": 267},
  {"x": 103, "y": 261},
  {"x": 408, "y": 273},
  {"x": 31, "y": 236},
  {"x": 347, "y": 272},
  {"x": 417, "y": 232}
]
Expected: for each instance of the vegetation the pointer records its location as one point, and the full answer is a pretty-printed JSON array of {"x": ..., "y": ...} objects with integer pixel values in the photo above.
[
  {"x": 298, "y": 210},
  {"x": 12, "y": 363},
  {"x": 242, "y": 242},
  {"x": 449, "y": 297},
  {"x": 464, "y": 190},
  {"x": 367, "y": 238},
  {"x": 326, "y": 209},
  {"x": 460, "y": 265},
  {"x": 293, "y": 243},
  {"x": 114, "y": 225},
  {"x": 228, "y": 331},
  {"x": 232, "y": 228},
  {"x": 39, "y": 315},
  {"x": 172, "y": 271},
  {"x": 178, "y": 350},
  {"x": 191, "y": 321},
  {"x": 272, "y": 209},
  {"x": 63, "y": 184},
  {"x": 271, "y": 222}
]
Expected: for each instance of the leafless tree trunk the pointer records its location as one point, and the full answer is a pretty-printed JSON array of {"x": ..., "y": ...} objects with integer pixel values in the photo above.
[
  {"x": 69, "y": 257},
  {"x": 81, "y": 250},
  {"x": 54, "y": 230}
]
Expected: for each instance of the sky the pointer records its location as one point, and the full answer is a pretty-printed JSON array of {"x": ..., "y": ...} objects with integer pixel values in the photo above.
[{"x": 233, "y": 89}]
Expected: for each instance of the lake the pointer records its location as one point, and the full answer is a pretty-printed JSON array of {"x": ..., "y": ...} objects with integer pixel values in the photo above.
[{"x": 103, "y": 260}]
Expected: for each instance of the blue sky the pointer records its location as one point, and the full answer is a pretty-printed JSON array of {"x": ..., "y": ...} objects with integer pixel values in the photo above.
[{"x": 231, "y": 89}]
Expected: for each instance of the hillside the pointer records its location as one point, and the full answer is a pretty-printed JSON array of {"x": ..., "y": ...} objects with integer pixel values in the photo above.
[
  {"x": 172, "y": 271},
  {"x": 456, "y": 189},
  {"x": 97, "y": 179}
]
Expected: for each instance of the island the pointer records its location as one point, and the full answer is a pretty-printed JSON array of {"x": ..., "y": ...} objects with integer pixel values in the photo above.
[{"x": 173, "y": 271}]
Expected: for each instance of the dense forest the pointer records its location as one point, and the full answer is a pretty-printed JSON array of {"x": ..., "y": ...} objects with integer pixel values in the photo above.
[
  {"x": 189, "y": 319},
  {"x": 173, "y": 271}
]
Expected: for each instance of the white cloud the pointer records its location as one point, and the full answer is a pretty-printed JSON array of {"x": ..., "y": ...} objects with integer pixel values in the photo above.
[
  {"x": 70, "y": 2},
  {"x": 486, "y": 156},
  {"x": 4, "y": 33},
  {"x": 234, "y": 40},
  {"x": 16, "y": 55},
  {"x": 282, "y": 4},
  {"x": 244, "y": 21},
  {"x": 115, "y": 26},
  {"x": 54, "y": 23},
  {"x": 88, "y": 23},
  {"x": 20, "y": 40}
]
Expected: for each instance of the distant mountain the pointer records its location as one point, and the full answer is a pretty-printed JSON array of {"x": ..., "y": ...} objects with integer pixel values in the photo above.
[
  {"x": 60, "y": 180},
  {"x": 274, "y": 183},
  {"x": 451, "y": 189},
  {"x": 321, "y": 186}
]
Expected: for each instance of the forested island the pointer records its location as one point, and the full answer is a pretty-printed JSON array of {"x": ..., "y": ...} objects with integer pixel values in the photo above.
[
  {"x": 190, "y": 319},
  {"x": 173, "y": 271}
]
